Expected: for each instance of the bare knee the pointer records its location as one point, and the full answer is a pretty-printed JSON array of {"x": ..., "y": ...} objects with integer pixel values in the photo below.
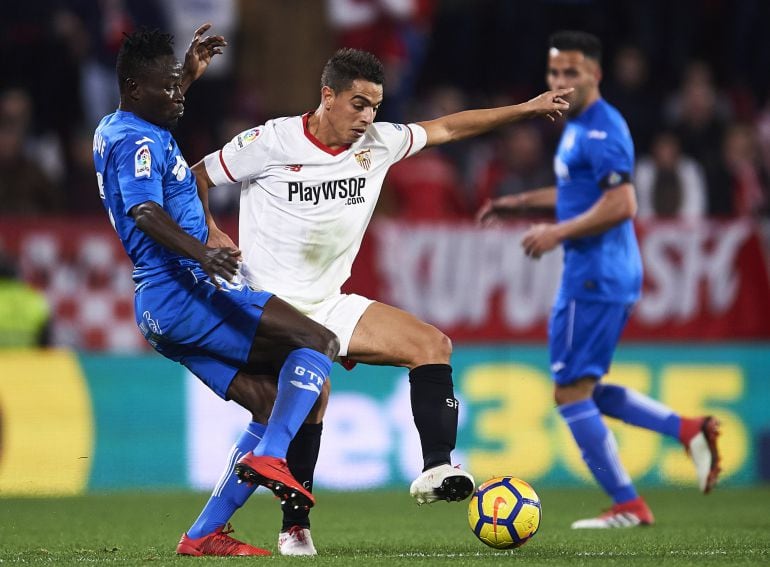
[
  {"x": 577, "y": 391},
  {"x": 324, "y": 341},
  {"x": 432, "y": 347}
]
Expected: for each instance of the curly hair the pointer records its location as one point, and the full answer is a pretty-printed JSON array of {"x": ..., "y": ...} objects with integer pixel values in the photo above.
[
  {"x": 140, "y": 50},
  {"x": 347, "y": 65}
]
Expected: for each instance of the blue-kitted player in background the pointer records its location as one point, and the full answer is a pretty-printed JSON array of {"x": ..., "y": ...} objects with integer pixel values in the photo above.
[
  {"x": 188, "y": 304},
  {"x": 602, "y": 279}
]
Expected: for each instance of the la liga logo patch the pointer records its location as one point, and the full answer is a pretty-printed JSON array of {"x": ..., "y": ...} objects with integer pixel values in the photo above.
[
  {"x": 143, "y": 162},
  {"x": 245, "y": 138}
]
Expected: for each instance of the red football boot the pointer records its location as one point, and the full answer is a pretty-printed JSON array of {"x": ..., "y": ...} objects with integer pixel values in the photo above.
[
  {"x": 217, "y": 543},
  {"x": 699, "y": 437},
  {"x": 273, "y": 473},
  {"x": 626, "y": 515}
]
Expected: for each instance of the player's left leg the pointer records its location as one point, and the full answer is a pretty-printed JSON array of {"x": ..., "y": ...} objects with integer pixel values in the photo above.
[
  {"x": 582, "y": 338},
  {"x": 256, "y": 393},
  {"x": 697, "y": 435},
  {"x": 389, "y": 336},
  {"x": 311, "y": 349}
]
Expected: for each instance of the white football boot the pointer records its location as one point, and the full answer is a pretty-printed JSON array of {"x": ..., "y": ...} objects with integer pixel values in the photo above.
[
  {"x": 443, "y": 482},
  {"x": 296, "y": 541}
]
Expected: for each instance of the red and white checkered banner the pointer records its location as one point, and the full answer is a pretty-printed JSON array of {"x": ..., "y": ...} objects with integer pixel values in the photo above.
[{"x": 702, "y": 281}]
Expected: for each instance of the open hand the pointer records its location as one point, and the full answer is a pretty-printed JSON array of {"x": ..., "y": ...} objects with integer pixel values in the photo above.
[
  {"x": 201, "y": 51},
  {"x": 493, "y": 210}
]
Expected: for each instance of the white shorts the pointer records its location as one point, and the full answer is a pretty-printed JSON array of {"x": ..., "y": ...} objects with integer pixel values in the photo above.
[{"x": 340, "y": 314}]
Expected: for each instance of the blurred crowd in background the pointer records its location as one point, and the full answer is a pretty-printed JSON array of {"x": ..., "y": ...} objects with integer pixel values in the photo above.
[{"x": 691, "y": 77}]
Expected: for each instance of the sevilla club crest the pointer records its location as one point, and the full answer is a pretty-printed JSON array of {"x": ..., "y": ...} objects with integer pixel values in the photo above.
[{"x": 364, "y": 159}]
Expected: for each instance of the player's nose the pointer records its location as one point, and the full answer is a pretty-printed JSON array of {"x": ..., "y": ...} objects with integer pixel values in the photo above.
[{"x": 368, "y": 115}]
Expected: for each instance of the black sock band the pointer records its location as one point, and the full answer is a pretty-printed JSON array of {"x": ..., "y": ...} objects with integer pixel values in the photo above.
[
  {"x": 302, "y": 457},
  {"x": 434, "y": 408}
]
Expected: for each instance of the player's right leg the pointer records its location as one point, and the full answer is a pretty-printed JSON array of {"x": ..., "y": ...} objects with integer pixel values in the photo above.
[
  {"x": 582, "y": 338},
  {"x": 389, "y": 336},
  {"x": 697, "y": 435}
]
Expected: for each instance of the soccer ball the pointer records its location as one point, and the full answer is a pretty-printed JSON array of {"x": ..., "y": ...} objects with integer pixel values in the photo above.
[{"x": 504, "y": 512}]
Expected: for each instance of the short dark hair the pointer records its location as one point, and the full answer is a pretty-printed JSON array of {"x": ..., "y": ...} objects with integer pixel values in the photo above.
[
  {"x": 347, "y": 65},
  {"x": 584, "y": 42},
  {"x": 140, "y": 50}
]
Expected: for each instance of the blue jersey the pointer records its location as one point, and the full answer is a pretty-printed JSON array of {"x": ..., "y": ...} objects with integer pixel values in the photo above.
[
  {"x": 136, "y": 162},
  {"x": 596, "y": 153}
]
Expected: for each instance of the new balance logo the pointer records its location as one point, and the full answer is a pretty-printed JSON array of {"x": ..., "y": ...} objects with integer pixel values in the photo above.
[{"x": 294, "y": 167}]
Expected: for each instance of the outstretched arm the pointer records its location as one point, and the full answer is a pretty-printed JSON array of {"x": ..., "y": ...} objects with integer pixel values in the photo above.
[
  {"x": 199, "y": 55},
  {"x": 469, "y": 123},
  {"x": 544, "y": 198}
]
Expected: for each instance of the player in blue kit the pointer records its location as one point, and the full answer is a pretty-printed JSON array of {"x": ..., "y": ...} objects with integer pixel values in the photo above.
[
  {"x": 602, "y": 279},
  {"x": 188, "y": 303}
]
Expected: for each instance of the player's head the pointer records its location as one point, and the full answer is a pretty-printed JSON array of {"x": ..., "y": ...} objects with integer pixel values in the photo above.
[
  {"x": 351, "y": 92},
  {"x": 149, "y": 77},
  {"x": 574, "y": 60}
]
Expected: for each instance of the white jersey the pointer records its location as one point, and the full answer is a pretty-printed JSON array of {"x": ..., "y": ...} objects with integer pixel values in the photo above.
[{"x": 304, "y": 206}]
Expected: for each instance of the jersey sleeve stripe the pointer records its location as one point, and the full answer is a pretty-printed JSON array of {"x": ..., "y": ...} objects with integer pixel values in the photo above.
[
  {"x": 411, "y": 141},
  {"x": 224, "y": 168}
]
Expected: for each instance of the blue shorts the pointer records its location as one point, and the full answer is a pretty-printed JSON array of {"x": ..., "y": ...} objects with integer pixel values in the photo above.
[
  {"x": 582, "y": 336},
  {"x": 186, "y": 319}
]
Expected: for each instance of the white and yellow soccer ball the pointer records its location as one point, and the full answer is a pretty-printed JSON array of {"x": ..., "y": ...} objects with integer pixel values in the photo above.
[{"x": 504, "y": 512}]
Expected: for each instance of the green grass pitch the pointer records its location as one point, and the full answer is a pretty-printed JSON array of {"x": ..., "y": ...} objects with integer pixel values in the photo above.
[{"x": 729, "y": 527}]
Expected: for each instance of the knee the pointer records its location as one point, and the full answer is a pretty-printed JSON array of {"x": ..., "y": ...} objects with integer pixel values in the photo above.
[
  {"x": 433, "y": 347},
  {"x": 439, "y": 346},
  {"x": 328, "y": 343},
  {"x": 577, "y": 391},
  {"x": 322, "y": 340}
]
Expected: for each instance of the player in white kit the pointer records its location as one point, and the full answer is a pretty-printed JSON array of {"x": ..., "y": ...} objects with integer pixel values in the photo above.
[{"x": 309, "y": 187}]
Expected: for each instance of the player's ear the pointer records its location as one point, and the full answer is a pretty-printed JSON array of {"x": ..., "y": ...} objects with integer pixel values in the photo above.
[
  {"x": 131, "y": 88},
  {"x": 597, "y": 71},
  {"x": 327, "y": 97}
]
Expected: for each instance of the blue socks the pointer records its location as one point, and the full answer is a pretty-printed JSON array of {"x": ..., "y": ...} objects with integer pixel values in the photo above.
[
  {"x": 228, "y": 494},
  {"x": 599, "y": 449},
  {"x": 299, "y": 384},
  {"x": 636, "y": 409}
]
